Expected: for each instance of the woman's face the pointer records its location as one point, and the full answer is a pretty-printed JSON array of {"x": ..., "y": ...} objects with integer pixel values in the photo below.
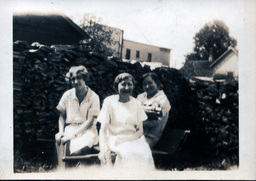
[
  {"x": 77, "y": 81},
  {"x": 150, "y": 86},
  {"x": 125, "y": 87}
]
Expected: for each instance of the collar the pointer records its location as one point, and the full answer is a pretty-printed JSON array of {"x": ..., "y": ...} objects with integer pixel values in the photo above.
[
  {"x": 87, "y": 97},
  {"x": 160, "y": 92}
]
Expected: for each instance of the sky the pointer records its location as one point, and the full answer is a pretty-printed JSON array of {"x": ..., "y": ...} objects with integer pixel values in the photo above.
[{"x": 165, "y": 23}]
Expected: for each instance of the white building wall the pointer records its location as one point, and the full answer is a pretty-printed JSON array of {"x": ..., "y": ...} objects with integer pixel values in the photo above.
[
  {"x": 117, "y": 36},
  {"x": 229, "y": 64},
  {"x": 159, "y": 54}
]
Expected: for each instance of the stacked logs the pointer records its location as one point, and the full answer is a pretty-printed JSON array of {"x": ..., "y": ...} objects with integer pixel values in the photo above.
[
  {"x": 218, "y": 117},
  {"x": 206, "y": 108},
  {"x": 39, "y": 82}
]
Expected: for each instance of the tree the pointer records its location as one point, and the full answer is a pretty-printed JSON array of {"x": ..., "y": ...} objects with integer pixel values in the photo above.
[
  {"x": 100, "y": 41},
  {"x": 213, "y": 37}
]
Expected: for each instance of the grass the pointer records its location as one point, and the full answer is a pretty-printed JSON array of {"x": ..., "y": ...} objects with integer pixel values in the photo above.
[{"x": 182, "y": 161}]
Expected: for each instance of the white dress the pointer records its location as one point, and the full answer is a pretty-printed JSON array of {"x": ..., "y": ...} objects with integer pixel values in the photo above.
[
  {"x": 76, "y": 114},
  {"x": 122, "y": 120}
]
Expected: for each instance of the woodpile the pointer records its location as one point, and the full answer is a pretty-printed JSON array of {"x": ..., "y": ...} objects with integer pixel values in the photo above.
[
  {"x": 217, "y": 116},
  {"x": 39, "y": 82}
]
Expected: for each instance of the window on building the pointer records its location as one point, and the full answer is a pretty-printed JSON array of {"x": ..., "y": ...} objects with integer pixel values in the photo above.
[
  {"x": 149, "y": 57},
  {"x": 128, "y": 54},
  {"x": 137, "y": 54}
]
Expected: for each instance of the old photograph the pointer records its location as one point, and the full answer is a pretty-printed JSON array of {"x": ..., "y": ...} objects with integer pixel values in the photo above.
[{"x": 155, "y": 89}]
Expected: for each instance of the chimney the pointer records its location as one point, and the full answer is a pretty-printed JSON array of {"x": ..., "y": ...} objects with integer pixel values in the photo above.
[{"x": 210, "y": 59}]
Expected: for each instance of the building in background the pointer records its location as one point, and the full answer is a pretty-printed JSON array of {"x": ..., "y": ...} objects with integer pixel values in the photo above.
[
  {"x": 131, "y": 51},
  {"x": 225, "y": 65},
  {"x": 58, "y": 29},
  {"x": 117, "y": 37},
  {"x": 146, "y": 54}
]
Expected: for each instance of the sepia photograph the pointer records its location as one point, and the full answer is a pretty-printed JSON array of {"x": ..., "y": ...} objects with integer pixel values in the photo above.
[{"x": 156, "y": 89}]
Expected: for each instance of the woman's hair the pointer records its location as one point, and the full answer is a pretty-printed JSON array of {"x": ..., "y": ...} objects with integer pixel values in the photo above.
[
  {"x": 155, "y": 77},
  {"x": 122, "y": 77},
  {"x": 78, "y": 70}
]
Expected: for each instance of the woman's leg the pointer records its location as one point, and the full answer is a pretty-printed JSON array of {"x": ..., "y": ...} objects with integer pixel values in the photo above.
[
  {"x": 84, "y": 151},
  {"x": 59, "y": 150}
]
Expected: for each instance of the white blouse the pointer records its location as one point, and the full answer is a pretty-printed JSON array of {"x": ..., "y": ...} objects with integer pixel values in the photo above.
[{"x": 75, "y": 112}]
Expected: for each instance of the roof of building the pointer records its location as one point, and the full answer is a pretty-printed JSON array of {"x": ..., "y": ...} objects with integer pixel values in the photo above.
[
  {"x": 48, "y": 28},
  {"x": 204, "y": 67},
  {"x": 197, "y": 68},
  {"x": 222, "y": 57},
  {"x": 169, "y": 49},
  {"x": 111, "y": 27}
]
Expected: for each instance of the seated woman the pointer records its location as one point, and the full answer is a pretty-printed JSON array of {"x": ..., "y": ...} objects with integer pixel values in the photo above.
[
  {"x": 157, "y": 107},
  {"x": 121, "y": 130},
  {"x": 78, "y": 108}
]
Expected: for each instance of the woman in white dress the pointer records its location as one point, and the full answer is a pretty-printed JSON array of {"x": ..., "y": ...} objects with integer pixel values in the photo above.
[
  {"x": 78, "y": 108},
  {"x": 157, "y": 107},
  {"x": 121, "y": 130}
]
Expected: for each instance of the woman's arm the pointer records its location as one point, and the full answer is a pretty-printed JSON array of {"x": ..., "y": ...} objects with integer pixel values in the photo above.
[
  {"x": 165, "y": 108},
  {"x": 151, "y": 123},
  {"x": 130, "y": 137},
  {"x": 60, "y": 134},
  {"x": 156, "y": 122},
  {"x": 104, "y": 151},
  {"x": 61, "y": 123},
  {"x": 86, "y": 125},
  {"x": 92, "y": 114},
  {"x": 103, "y": 137}
]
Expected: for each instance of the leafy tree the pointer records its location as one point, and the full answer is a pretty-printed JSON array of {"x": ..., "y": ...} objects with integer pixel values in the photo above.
[
  {"x": 212, "y": 37},
  {"x": 100, "y": 41}
]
